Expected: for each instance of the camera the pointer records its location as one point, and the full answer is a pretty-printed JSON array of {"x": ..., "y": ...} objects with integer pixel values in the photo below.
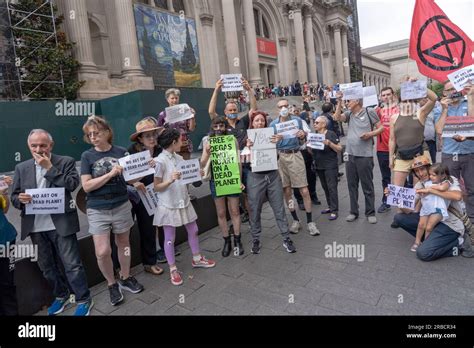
[{"x": 456, "y": 95}]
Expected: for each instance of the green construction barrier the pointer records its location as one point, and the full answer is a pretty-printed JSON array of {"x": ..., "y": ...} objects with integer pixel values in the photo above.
[{"x": 123, "y": 112}]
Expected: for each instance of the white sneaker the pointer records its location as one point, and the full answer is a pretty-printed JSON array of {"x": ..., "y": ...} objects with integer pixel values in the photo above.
[
  {"x": 295, "y": 227},
  {"x": 313, "y": 230},
  {"x": 372, "y": 219}
]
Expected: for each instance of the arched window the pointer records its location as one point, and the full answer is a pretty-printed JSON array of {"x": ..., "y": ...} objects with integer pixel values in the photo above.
[
  {"x": 178, "y": 5},
  {"x": 261, "y": 25},
  {"x": 161, "y": 4}
]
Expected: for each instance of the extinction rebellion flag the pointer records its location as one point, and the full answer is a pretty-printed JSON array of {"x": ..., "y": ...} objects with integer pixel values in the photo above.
[{"x": 438, "y": 46}]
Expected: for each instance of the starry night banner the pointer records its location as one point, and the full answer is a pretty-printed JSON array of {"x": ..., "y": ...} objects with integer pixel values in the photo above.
[{"x": 168, "y": 47}]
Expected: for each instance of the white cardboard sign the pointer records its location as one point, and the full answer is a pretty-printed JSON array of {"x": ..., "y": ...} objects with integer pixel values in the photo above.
[
  {"x": 45, "y": 201},
  {"x": 232, "y": 82},
  {"x": 288, "y": 129},
  {"x": 136, "y": 166},
  {"x": 462, "y": 76},
  {"x": 149, "y": 199},
  {"x": 352, "y": 90},
  {"x": 190, "y": 171},
  {"x": 370, "y": 96},
  {"x": 178, "y": 113},
  {"x": 401, "y": 197},
  {"x": 413, "y": 90},
  {"x": 315, "y": 141}
]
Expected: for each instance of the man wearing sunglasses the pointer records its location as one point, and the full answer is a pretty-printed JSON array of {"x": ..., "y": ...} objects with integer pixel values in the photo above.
[
  {"x": 292, "y": 168},
  {"x": 363, "y": 126},
  {"x": 457, "y": 153}
]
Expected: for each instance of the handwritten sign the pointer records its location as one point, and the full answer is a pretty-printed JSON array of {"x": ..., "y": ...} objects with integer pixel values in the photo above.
[
  {"x": 264, "y": 154},
  {"x": 370, "y": 96},
  {"x": 225, "y": 165},
  {"x": 178, "y": 113},
  {"x": 288, "y": 129},
  {"x": 3, "y": 184},
  {"x": 458, "y": 125},
  {"x": 315, "y": 141},
  {"x": 136, "y": 166},
  {"x": 413, "y": 90},
  {"x": 461, "y": 77},
  {"x": 352, "y": 90},
  {"x": 190, "y": 171},
  {"x": 149, "y": 199},
  {"x": 45, "y": 201},
  {"x": 232, "y": 82},
  {"x": 401, "y": 197}
]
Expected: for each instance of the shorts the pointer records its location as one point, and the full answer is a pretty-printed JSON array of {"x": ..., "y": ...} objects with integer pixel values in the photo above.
[
  {"x": 212, "y": 186},
  {"x": 400, "y": 165},
  {"x": 116, "y": 220},
  {"x": 292, "y": 170}
]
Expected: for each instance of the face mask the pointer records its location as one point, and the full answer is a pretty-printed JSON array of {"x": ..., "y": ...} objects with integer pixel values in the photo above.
[
  {"x": 232, "y": 116},
  {"x": 284, "y": 112},
  {"x": 219, "y": 132}
]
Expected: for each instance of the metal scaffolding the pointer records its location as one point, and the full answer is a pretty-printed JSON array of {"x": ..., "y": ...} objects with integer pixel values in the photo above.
[{"x": 14, "y": 80}]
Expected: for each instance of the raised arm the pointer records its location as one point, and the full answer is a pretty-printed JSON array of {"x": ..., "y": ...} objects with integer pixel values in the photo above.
[
  {"x": 338, "y": 115},
  {"x": 213, "y": 102},
  {"x": 250, "y": 91},
  {"x": 439, "y": 126},
  {"x": 428, "y": 107}
]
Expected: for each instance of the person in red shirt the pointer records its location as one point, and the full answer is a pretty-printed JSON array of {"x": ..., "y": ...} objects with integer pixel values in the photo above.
[{"x": 389, "y": 107}]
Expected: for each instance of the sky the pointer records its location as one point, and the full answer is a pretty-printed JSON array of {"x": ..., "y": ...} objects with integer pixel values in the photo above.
[{"x": 384, "y": 21}]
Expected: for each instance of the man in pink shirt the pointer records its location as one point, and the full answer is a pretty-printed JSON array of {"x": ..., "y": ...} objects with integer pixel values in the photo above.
[{"x": 389, "y": 107}]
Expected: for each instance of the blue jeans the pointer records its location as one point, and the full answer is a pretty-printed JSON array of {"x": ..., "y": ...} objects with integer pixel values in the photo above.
[
  {"x": 442, "y": 241},
  {"x": 54, "y": 250}
]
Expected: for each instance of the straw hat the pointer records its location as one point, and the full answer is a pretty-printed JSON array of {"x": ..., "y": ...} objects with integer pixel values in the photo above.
[
  {"x": 420, "y": 161},
  {"x": 145, "y": 125}
]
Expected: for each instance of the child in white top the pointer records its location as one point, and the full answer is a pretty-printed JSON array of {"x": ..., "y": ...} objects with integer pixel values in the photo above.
[
  {"x": 434, "y": 209},
  {"x": 174, "y": 206}
]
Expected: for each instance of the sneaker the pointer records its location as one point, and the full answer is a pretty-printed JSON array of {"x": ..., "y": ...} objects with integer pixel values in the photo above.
[
  {"x": 394, "y": 225},
  {"x": 160, "y": 256},
  {"x": 325, "y": 211},
  {"x": 130, "y": 284},
  {"x": 176, "y": 277},
  {"x": 58, "y": 305},
  {"x": 84, "y": 309},
  {"x": 383, "y": 208},
  {"x": 372, "y": 219},
  {"x": 313, "y": 230},
  {"x": 256, "y": 247},
  {"x": 332, "y": 216},
  {"x": 295, "y": 227},
  {"x": 351, "y": 217},
  {"x": 203, "y": 263},
  {"x": 414, "y": 247},
  {"x": 288, "y": 245},
  {"x": 116, "y": 295}
]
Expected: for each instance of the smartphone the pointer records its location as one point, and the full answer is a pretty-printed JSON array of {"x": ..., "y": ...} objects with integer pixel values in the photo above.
[{"x": 456, "y": 95}]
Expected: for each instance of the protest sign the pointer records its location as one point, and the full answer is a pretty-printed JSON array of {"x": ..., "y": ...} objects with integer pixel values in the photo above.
[
  {"x": 3, "y": 184},
  {"x": 288, "y": 129},
  {"x": 458, "y": 125},
  {"x": 45, "y": 201},
  {"x": 225, "y": 165},
  {"x": 264, "y": 154},
  {"x": 461, "y": 77},
  {"x": 401, "y": 197},
  {"x": 413, "y": 90},
  {"x": 370, "y": 96},
  {"x": 352, "y": 90},
  {"x": 261, "y": 138},
  {"x": 190, "y": 171},
  {"x": 149, "y": 199},
  {"x": 136, "y": 166},
  {"x": 178, "y": 113},
  {"x": 315, "y": 141},
  {"x": 232, "y": 82}
]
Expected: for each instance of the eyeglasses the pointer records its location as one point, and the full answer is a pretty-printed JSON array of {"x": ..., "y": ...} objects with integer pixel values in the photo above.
[{"x": 94, "y": 134}]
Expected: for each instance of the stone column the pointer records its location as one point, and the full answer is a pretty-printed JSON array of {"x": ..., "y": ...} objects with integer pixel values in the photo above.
[
  {"x": 283, "y": 61},
  {"x": 345, "y": 56},
  {"x": 300, "y": 47},
  {"x": 231, "y": 37},
  {"x": 128, "y": 39},
  {"x": 338, "y": 49},
  {"x": 251, "y": 43},
  {"x": 112, "y": 28},
  {"x": 209, "y": 49},
  {"x": 75, "y": 16},
  {"x": 310, "y": 51},
  {"x": 289, "y": 66}
]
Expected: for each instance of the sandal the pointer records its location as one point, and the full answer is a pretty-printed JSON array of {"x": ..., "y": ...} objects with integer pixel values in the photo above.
[
  {"x": 414, "y": 247},
  {"x": 153, "y": 269}
]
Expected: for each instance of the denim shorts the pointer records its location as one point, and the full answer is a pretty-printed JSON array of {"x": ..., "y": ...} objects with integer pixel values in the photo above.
[{"x": 214, "y": 194}]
